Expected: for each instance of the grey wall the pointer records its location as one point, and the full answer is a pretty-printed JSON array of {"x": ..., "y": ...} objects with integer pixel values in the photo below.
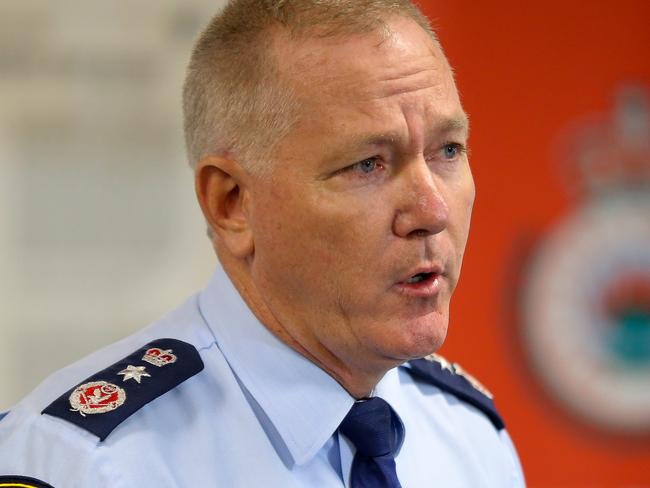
[{"x": 99, "y": 230}]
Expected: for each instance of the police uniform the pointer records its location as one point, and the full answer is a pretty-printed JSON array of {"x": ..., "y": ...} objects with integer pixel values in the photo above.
[{"x": 207, "y": 396}]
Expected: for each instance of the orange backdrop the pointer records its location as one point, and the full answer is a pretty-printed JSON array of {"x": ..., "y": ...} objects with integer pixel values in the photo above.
[{"x": 526, "y": 71}]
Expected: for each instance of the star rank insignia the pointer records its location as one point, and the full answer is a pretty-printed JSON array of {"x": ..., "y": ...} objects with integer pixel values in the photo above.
[{"x": 134, "y": 373}]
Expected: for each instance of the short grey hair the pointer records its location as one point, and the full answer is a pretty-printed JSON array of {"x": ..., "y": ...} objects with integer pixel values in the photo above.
[{"x": 235, "y": 101}]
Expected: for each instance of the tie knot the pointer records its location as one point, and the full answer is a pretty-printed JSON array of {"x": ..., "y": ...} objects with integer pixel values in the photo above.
[{"x": 373, "y": 427}]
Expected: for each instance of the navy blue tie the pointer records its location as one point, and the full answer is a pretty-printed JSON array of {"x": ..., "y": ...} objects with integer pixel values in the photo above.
[{"x": 376, "y": 431}]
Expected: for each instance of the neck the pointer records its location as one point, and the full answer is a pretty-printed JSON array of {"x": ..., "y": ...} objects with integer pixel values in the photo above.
[{"x": 354, "y": 376}]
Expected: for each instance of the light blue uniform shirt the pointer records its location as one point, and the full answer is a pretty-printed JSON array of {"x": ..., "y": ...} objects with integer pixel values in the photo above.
[{"x": 259, "y": 414}]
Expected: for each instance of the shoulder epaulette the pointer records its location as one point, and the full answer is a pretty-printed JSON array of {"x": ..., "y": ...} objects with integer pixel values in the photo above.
[
  {"x": 436, "y": 370},
  {"x": 103, "y": 401}
]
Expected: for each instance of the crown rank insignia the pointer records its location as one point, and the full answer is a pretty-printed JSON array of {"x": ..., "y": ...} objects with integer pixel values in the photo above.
[{"x": 159, "y": 357}]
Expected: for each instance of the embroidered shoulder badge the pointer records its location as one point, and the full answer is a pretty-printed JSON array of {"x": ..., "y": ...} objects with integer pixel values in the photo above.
[
  {"x": 21, "y": 482},
  {"x": 106, "y": 399},
  {"x": 452, "y": 378}
]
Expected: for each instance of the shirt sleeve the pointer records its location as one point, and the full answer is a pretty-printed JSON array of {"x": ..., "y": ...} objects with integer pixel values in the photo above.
[
  {"x": 54, "y": 452},
  {"x": 518, "y": 479}
]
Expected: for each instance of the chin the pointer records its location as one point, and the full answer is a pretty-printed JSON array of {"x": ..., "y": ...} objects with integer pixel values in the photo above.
[
  {"x": 425, "y": 345},
  {"x": 419, "y": 338}
]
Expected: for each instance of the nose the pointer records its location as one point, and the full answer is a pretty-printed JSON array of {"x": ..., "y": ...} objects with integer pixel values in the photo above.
[{"x": 423, "y": 210}]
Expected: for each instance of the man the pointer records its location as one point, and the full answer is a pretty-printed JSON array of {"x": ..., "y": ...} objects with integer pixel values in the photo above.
[{"x": 330, "y": 152}]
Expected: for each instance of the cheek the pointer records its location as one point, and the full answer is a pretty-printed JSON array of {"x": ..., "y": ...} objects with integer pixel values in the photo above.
[
  {"x": 462, "y": 203},
  {"x": 353, "y": 234},
  {"x": 471, "y": 193},
  {"x": 293, "y": 232},
  {"x": 328, "y": 233},
  {"x": 462, "y": 195}
]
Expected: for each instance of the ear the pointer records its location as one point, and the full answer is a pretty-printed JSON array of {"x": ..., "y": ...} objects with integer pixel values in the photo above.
[{"x": 222, "y": 191}]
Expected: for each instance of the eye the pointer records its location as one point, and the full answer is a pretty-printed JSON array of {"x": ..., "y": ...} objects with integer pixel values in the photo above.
[
  {"x": 452, "y": 150},
  {"x": 366, "y": 166}
]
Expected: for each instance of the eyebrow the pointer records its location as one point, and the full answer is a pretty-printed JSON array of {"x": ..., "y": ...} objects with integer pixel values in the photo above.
[{"x": 458, "y": 123}]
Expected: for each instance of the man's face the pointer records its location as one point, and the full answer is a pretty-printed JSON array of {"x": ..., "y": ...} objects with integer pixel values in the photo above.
[{"x": 371, "y": 187}]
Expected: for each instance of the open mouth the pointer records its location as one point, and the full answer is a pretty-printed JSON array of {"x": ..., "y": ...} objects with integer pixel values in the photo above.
[
  {"x": 419, "y": 278},
  {"x": 425, "y": 284}
]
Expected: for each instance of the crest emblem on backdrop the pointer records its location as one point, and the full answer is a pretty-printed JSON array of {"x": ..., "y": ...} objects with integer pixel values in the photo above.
[{"x": 584, "y": 304}]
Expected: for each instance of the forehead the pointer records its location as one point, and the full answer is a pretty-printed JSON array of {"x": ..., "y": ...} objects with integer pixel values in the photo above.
[{"x": 400, "y": 58}]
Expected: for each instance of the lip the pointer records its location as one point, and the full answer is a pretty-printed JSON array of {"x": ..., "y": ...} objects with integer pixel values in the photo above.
[{"x": 425, "y": 288}]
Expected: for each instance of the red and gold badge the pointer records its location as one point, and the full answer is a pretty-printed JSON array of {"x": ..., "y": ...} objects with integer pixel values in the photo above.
[{"x": 97, "y": 397}]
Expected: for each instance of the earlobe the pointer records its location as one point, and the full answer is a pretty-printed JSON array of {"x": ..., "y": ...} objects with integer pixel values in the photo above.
[{"x": 222, "y": 190}]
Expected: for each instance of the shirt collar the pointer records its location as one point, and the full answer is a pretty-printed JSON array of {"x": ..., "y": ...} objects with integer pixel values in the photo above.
[{"x": 304, "y": 403}]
